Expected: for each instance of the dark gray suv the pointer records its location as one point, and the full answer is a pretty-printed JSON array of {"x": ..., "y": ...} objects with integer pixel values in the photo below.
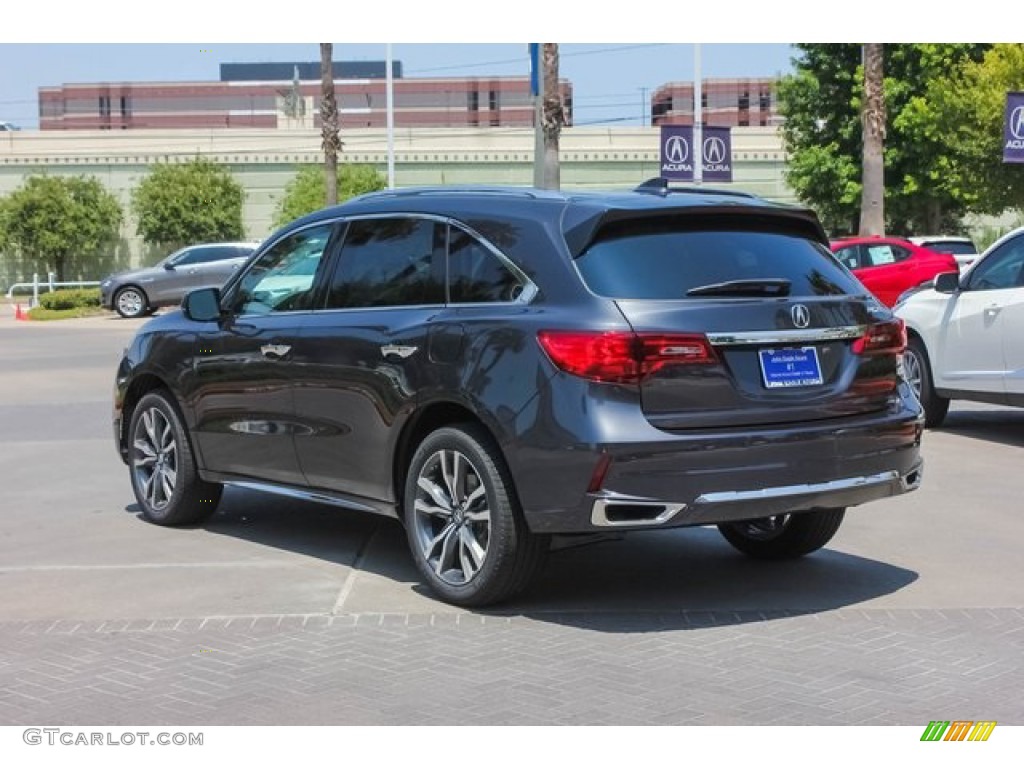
[
  {"x": 141, "y": 291},
  {"x": 494, "y": 366}
]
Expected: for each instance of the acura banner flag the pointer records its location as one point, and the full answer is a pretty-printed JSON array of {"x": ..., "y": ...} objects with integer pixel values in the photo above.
[
  {"x": 678, "y": 156},
  {"x": 1013, "y": 129}
]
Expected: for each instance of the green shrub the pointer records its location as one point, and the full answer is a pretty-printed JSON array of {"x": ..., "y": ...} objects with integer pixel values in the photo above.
[{"x": 70, "y": 299}]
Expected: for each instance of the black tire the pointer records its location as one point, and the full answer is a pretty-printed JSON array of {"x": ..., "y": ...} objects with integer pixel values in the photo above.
[
  {"x": 160, "y": 458},
  {"x": 131, "y": 302},
  {"x": 474, "y": 563},
  {"x": 919, "y": 374},
  {"x": 784, "y": 537}
]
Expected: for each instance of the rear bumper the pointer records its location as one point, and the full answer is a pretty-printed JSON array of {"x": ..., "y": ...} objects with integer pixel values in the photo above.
[
  {"x": 610, "y": 510},
  {"x": 667, "y": 480}
]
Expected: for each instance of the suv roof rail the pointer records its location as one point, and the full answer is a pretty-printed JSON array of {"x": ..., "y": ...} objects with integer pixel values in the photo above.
[
  {"x": 456, "y": 190},
  {"x": 659, "y": 186}
]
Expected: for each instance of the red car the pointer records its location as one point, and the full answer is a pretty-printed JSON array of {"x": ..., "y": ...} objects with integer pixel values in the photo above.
[{"x": 888, "y": 266}]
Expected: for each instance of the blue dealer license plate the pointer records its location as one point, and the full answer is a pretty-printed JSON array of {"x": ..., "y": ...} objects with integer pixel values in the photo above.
[{"x": 790, "y": 367}]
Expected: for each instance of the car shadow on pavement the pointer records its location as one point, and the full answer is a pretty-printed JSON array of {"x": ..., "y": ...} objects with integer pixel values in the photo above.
[
  {"x": 1006, "y": 426},
  {"x": 692, "y": 578},
  {"x": 649, "y": 581}
]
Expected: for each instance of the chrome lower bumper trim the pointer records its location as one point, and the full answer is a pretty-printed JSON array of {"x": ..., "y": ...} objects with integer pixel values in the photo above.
[
  {"x": 604, "y": 509},
  {"x": 612, "y": 510},
  {"x": 845, "y": 484}
]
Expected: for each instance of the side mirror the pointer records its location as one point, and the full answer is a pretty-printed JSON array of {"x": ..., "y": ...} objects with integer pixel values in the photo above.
[
  {"x": 947, "y": 282},
  {"x": 169, "y": 266},
  {"x": 202, "y": 305}
]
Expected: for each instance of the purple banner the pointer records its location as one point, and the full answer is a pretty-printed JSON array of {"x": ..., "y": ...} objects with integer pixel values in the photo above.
[
  {"x": 717, "y": 154},
  {"x": 677, "y": 155},
  {"x": 677, "y": 152},
  {"x": 1013, "y": 129}
]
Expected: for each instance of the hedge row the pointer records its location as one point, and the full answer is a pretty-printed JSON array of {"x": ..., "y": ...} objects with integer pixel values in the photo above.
[{"x": 70, "y": 299}]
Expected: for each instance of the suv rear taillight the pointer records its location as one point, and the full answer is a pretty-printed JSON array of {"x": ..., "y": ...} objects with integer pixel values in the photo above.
[
  {"x": 889, "y": 338},
  {"x": 623, "y": 357}
]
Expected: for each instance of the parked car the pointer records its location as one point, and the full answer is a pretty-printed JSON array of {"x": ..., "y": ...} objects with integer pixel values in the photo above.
[
  {"x": 494, "y": 366},
  {"x": 888, "y": 266},
  {"x": 141, "y": 291},
  {"x": 962, "y": 249},
  {"x": 965, "y": 334}
]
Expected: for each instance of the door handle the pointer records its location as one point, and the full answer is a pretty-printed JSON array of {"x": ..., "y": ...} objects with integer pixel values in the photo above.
[
  {"x": 397, "y": 349},
  {"x": 992, "y": 310},
  {"x": 275, "y": 351}
]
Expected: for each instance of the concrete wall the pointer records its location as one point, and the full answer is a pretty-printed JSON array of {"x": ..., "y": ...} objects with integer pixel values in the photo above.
[{"x": 264, "y": 162}]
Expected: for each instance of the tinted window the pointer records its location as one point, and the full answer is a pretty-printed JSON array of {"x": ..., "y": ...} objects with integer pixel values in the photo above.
[
  {"x": 849, "y": 256},
  {"x": 954, "y": 248},
  {"x": 282, "y": 278},
  {"x": 390, "y": 262},
  {"x": 475, "y": 274},
  {"x": 663, "y": 260},
  {"x": 1001, "y": 269},
  {"x": 206, "y": 254},
  {"x": 883, "y": 254}
]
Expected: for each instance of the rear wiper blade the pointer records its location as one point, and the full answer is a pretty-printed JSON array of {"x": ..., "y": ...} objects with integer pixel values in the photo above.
[{"x": 765, "y": 286}]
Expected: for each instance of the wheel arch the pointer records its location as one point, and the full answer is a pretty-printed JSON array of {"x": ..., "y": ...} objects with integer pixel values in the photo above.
[
  {"x": 141, "y": 386},
  {"x": 422, "y": 422}
]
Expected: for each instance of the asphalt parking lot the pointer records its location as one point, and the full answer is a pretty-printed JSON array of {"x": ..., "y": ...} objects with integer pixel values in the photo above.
[{"x": 279, "y": 611}]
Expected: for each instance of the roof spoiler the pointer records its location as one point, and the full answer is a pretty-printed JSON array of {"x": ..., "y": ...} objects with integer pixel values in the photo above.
[{"x": 659, "y": 186}]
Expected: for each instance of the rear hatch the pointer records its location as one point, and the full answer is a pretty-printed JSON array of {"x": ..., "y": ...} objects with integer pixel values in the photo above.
[{"x": 743, "y": 320}]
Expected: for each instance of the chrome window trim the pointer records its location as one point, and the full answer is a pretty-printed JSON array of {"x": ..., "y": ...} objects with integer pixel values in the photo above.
[
  {"x": 528, "y": 294},
  {"x": 737, "y": 338}
]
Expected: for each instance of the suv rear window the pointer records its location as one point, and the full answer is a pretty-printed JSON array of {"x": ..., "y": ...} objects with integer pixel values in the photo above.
[
  {"x": 952, "y": 247},
  {"x": 664, "y": 259}
]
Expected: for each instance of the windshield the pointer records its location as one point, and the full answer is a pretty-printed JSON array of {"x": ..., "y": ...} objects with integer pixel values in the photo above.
[{"x": 661, "y": 260}]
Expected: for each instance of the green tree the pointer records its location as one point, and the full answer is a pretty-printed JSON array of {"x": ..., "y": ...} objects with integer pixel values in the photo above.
[
  {"x": 305, "y": 192},
  {"x": 964, "y": 109},
  {"x": 60, "y": 224},
  {"x": 192, "y": 202},
  {"x": 821, "y": 101}
]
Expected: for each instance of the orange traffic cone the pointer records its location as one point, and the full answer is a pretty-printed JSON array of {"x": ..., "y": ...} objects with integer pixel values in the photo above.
[{"x": 19, "y": 314}]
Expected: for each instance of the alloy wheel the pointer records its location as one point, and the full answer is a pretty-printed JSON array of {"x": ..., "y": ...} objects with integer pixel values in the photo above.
[
  {"x": 912, "y": 371},
  {"x": 155, "y": 458},
  {"x": 452, "y": 519},
  {"x": 129, "y": 302}
]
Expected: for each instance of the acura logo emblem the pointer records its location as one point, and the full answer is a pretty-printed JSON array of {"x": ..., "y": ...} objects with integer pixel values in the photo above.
[
  {"x": 801, "y": 315},
  {"x": 676, "y": 149},
  {"x": 714, "y": 150},
  {"x": 1017, "y": 123}
]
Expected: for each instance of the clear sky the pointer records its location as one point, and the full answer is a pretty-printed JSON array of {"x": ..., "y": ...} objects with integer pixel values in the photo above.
[{"x": 609, "y": 79}]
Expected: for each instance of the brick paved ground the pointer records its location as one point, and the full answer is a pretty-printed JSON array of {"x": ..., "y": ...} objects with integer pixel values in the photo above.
[
  {"x": 914, "y": 612},
  {"x": 848, "y": 666}
]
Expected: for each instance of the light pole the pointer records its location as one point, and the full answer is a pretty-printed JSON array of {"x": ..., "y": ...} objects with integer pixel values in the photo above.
[
  {"x": 698, "y": 119},
  {"x": 391, "y": 122}
]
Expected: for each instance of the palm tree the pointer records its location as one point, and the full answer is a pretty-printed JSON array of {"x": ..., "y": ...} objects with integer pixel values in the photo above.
[
  {"x": 872, "y": 117},
  {"x": 552, "y": 116},
  {"x": 329, "y": 121}
]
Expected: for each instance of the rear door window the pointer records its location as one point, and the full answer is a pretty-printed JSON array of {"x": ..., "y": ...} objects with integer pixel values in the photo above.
[
  {"x": 663, "y": 259},
  {"x": 390, "y": 262}
]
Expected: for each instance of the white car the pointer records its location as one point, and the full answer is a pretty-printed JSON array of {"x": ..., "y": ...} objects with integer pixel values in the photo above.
[
  {"x": 966, "y": 334},
  {"x": 962, "y": 249}
]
